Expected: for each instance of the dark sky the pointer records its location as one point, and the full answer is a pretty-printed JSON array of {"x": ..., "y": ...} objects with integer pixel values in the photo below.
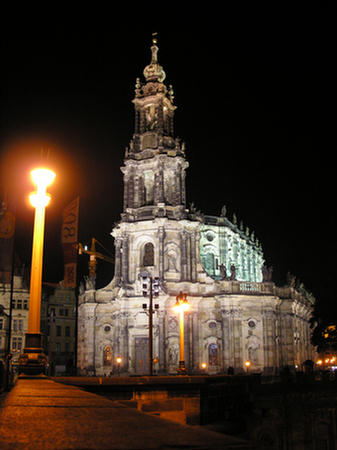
[{"x": 256, "y": 108}]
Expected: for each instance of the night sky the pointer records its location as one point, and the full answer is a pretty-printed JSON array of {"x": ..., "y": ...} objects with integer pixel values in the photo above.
[{"x": 255, "y": 106}]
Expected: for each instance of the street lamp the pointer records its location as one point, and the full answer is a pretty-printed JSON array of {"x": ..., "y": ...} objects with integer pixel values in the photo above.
[
  {"x": 248, "y": 364},
  {"x": 33, "y": 360},
  {"x": 180, "y": 307}
]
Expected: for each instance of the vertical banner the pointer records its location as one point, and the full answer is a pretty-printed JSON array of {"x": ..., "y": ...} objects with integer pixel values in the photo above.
[
  {"x": 69, "y": 239},
  {"x": 7, "y": 230}
]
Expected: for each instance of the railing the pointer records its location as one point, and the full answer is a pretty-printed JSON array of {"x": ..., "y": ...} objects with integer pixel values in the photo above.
[{"x": 248, "y": 287}]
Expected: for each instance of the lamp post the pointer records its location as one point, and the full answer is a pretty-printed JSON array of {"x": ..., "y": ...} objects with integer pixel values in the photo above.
[
  {"x": 153, "y": 289},
  {"x": 33, "y": 360},
  {"x": 248, "y": 365},
  {"x": 180, "y": 307}
]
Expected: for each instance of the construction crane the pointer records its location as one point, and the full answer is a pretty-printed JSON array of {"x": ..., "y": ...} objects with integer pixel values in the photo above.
[{"x": 93, "y": 255}]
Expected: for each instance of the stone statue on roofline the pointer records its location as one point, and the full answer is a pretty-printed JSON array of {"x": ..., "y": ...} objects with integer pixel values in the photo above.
[{"x": 267, "y": 273}]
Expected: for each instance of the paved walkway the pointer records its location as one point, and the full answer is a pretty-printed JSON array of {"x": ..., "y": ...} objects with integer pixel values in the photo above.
[{"x": 41, "y": 414}]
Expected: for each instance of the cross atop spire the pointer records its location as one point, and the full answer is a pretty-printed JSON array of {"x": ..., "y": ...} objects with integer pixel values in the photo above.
[{"x": 154, "y": 38}]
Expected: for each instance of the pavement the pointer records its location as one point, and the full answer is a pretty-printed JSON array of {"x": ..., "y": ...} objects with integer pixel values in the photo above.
[{"x": 41, "y": 414}]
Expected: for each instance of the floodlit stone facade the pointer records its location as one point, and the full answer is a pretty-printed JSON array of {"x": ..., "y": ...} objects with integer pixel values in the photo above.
[
  {"x": 236, "y": 311},
  {"x": 14, "y": 306}
]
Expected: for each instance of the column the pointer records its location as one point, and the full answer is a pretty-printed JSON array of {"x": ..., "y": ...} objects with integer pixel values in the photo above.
[
  {"x": 160, "y": 116},
  {"x": 183, "y": 269},
  {"x": 177, "y": 187},
  {"x": 195, "y": 357},
  {"x": 118, "y": 259},
  {"x": 161, "y": 236},
  {"x": 183, "y": 187},
  {"x": 125, "y": 258},
  {"x": 194, "y": 253},
  {"x": 237, "y": 338},
  {"x": 228, "y": 345},
  {"x": 222, "y": 246}
]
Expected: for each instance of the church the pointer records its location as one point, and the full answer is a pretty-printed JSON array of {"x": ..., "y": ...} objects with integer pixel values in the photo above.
[{"x": 237, "y": 318}]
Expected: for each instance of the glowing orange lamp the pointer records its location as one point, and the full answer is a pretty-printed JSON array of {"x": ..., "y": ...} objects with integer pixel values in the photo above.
[
  {"x": 180, "y": 307},
  {"x": 33, "y": 360}
]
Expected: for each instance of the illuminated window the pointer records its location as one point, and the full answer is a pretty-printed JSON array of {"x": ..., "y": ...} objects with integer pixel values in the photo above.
[
  {"x": 148, "y": 255},
  {"x": 107, "y": 356}
]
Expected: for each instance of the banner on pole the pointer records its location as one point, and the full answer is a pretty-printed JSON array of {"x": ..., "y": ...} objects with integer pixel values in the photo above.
[
  {"x": 7, "y": 230},
  {"x": 69, "y": 239}
]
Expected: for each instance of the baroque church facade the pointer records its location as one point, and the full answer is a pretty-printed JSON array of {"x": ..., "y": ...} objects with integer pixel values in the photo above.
[{"x": 237, "y": 314}]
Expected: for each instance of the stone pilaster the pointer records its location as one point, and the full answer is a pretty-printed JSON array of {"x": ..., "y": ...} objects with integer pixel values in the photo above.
[
  {"x": 268, "y": 324},
  {"x": 237, "y": 338},
  {"x": 183, "y": 246},
  {"x": 194, "y": 255},
  {"x": 118, "y": 260},
  {"x": 194, "y": 344},
  {"x": 125, "y": 259}
]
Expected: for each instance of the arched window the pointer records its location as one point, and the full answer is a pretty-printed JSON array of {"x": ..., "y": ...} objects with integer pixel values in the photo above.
[
  {"x": 213, "y": 355},
  {"x": 107, "y": 356},
  {"x": 148, "y": 255}
]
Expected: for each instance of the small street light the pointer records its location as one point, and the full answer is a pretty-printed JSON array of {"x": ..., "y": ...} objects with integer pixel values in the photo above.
[
  {"x": 118, "y": 361},
  {"x": 248, "y": 365},
  {"x": 180, "y": 307},
  {"x": 33, "y": 360}
]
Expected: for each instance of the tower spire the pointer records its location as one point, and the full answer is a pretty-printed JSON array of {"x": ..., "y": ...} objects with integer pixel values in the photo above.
[{"x": 154, "y": 71}]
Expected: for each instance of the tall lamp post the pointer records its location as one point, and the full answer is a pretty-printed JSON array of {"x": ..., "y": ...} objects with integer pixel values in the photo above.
[
  {"x": 33, "y": 360},
  {"x": 180, "y": 307},
  {"x": 152, "y": 290}
]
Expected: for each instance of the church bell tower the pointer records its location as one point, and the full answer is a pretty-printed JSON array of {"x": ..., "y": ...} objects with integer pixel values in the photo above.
[
  {"x": 154, "y": 170},
  {"x": 151, "y": 235}
]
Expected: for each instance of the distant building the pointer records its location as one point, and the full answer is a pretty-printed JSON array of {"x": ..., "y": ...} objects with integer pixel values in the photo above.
[
  {"x": 58, "y": 324},
  {"x": 20, "y": 307},
  {"x": 237, "y": 313}
]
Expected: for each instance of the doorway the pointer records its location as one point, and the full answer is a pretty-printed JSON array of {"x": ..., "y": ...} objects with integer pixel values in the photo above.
[{"x": 142, "y": 355}]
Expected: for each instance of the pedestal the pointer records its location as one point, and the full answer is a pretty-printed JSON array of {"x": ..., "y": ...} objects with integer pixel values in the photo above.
[
  {"x": 33, "y": 361},
  {"x": 182, "y": 369}
]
